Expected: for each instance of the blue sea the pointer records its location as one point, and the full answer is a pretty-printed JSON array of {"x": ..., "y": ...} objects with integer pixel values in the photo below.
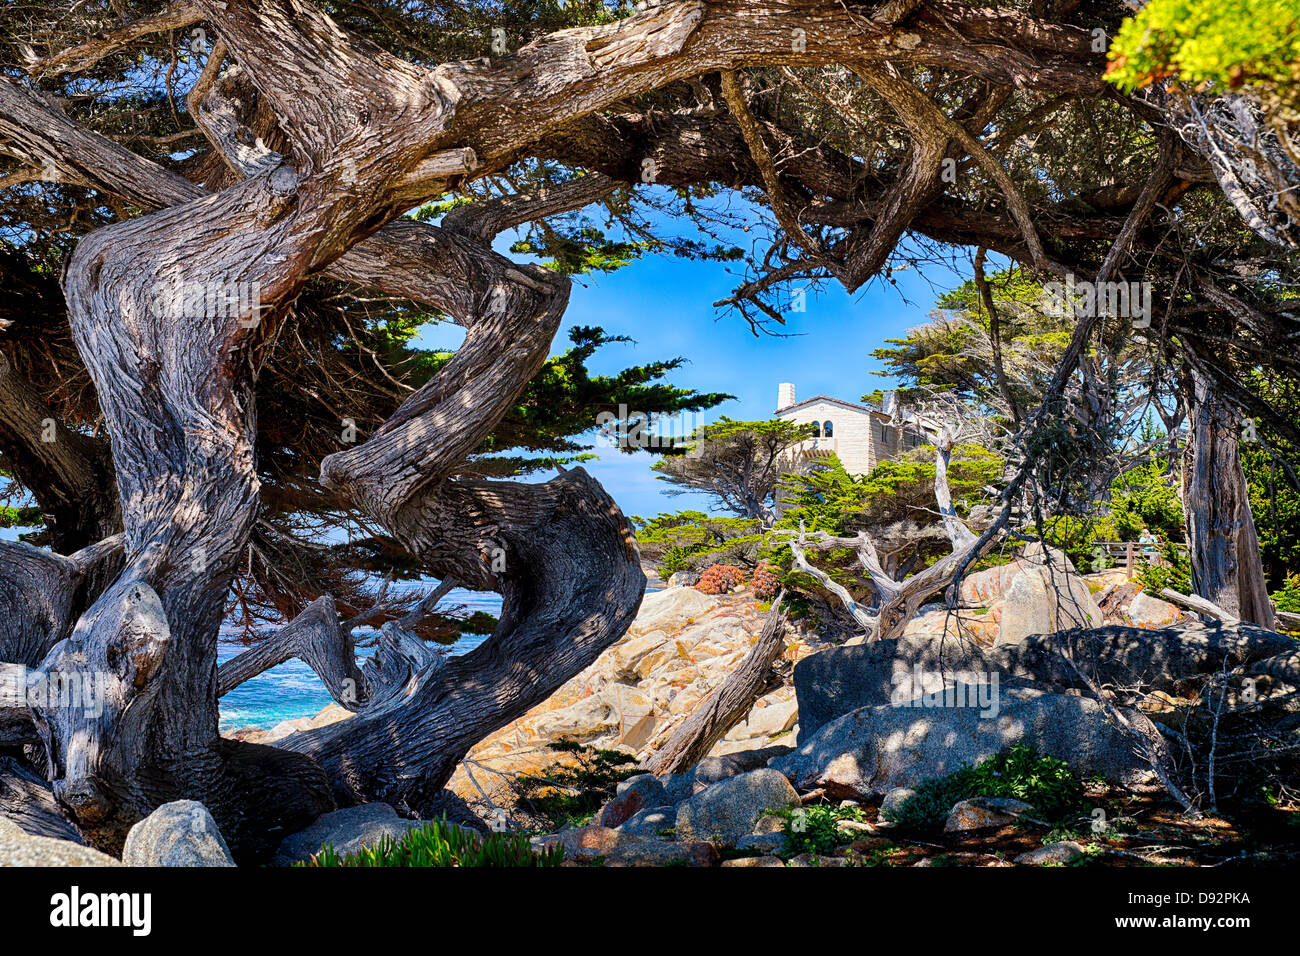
[{"x": 292, "y": 689}]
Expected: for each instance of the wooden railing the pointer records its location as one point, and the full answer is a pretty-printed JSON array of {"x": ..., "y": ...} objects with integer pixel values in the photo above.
[{"x": 1127, "y": 553}]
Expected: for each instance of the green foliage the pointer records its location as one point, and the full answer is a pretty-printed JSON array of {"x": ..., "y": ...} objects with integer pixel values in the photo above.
[
  {"x": 1274, "y": 498},
  {"x": 737, "y": 463},
  {"x": 564, "y": 400},
  {"x": 1233, "y": 44},
  {"x": 904, "y": 487},
  {"x": 1047, "y": 784},
  {"x": 814, "y": 829},
  {"x": 570, "y": 793},
  {"x": 1077, "y": 536},
  {"x": 951, "y": 351},
  {"x": 1144, "y": 497},
  {"x": 20, "y": 517},
  {"x": 1156, "y": 578},
  {"x": 584, "y": 251},
  {"x": 1287, "y": 597},
  {"x": 829, "y": 499},
  {"x": 1175, "y": 573},
  {"x": 441, "y": 844},
  {"x": 1275, "y": 503},
  {"x": 480, "y": 622},
  {"x": 689, "y": 540},
  {"x": 1147, "y": 495},
  {"x": 823, "y": 499}
]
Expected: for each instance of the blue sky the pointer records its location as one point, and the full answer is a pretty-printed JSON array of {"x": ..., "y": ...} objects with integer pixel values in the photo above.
[{"x": 666, "y": 305}]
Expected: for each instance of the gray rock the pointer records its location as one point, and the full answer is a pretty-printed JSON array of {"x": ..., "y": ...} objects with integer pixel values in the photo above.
[
  {"x": 840, "y": 680},
  {"x": 762, "y": 842},
  {"x": 347, "y": 830},
  {"x": 731, "y": 808},
  {"x": 895, "y": 799},
  {"x": 683, "y": 579},
  {"x": 586, "y": 843},
  {"x": 1129, "y": 657},
  {"x": 679, "y": 786},
  {"x": 811, "y": 859},
  {"x": 633, "y": 796},
  {"x": 180, "y": 833},
  {"x": 1061, "y": 853},
  {"x": 1147, "y": 611},
  {"x": 753, "y": 862},
  {"x": 684, "y": 785},
  {"x": 650, "y": 824},
  {"x": 770, "y": 823},
  {"x": 875, "y": 749},
  {"x": 661, "y": 853},
  {"x": 855, "y": 829},
  {"x": 1027, "y": 608},
  {"x": 19, "y": 848},
  {"x": 637, "y": 781},
  {"x": 712, "y": 769},
  {"x": 980, "y": 813}
]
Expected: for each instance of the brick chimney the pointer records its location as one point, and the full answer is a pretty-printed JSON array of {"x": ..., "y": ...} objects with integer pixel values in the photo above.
[{"x": 784, "y": 395}]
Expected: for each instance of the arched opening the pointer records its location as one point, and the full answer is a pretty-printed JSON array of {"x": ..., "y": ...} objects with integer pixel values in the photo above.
[
  {"x": 828, "y": 430},
  {"x": 817, "y": 430}
]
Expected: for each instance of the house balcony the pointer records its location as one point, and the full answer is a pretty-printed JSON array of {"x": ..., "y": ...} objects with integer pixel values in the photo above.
[{"x": 814, "y": 447}]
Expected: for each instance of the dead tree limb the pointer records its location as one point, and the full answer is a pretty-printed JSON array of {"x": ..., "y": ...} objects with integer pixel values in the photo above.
[
  {"x": 728, "y": 705},
  {"x": 314, "y": 637}
]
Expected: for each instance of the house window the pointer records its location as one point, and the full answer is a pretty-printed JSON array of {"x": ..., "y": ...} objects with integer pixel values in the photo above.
[
  {"x": 817, "y": 430},
  {"x": 828, "y": 430}
]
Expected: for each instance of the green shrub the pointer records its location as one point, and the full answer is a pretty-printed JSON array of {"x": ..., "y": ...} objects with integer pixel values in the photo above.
[
  {"x": 440, "y": 844},
  {"x": 814, "y": 829},
  {"x": 690, "y": 540},
  {"x": 1287, "y": 597},
  {"x": 1175, "y": 573},
  {"x": 1078, "y": 536},
  {"x": 562, "y": 794},
  {"x": 1047, "y": 784},
  {"x": 1233, "y": 44}
]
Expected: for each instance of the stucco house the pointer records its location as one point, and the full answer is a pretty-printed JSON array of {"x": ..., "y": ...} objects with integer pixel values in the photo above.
[{"x": 861, "y": 436}]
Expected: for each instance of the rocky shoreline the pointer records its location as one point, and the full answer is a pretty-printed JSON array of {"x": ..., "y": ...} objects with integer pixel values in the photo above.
[{"x": 835, "y": 732}]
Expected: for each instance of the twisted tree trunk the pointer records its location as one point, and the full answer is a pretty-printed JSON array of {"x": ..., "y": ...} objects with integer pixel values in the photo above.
[
  {"x": 376, "y": 137},
  {"x": 172, "y": 359}
]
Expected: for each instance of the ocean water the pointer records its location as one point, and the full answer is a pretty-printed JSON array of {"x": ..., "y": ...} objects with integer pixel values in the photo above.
[{"x": 292, "y": 689}]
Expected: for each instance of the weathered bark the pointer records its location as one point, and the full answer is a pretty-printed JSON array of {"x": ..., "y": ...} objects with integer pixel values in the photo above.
[
  {"x": 726, "y": 706},
  {"x": 1198, "y": 604},
  {"x": 16, "y": 726},
  {"x": 378, "y": 136},
  {"x": 175, "y": 385},
  {"x": 1227, "y": 568},
  {"x": 176, "y": 390},
  {"x": 45, "y": 593},
  {"x": 68, "y": 474},
  {"x": 25, "y": 799},
  {"x": 562, "y": 605},
  {"x": 316, "y": 638}
]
